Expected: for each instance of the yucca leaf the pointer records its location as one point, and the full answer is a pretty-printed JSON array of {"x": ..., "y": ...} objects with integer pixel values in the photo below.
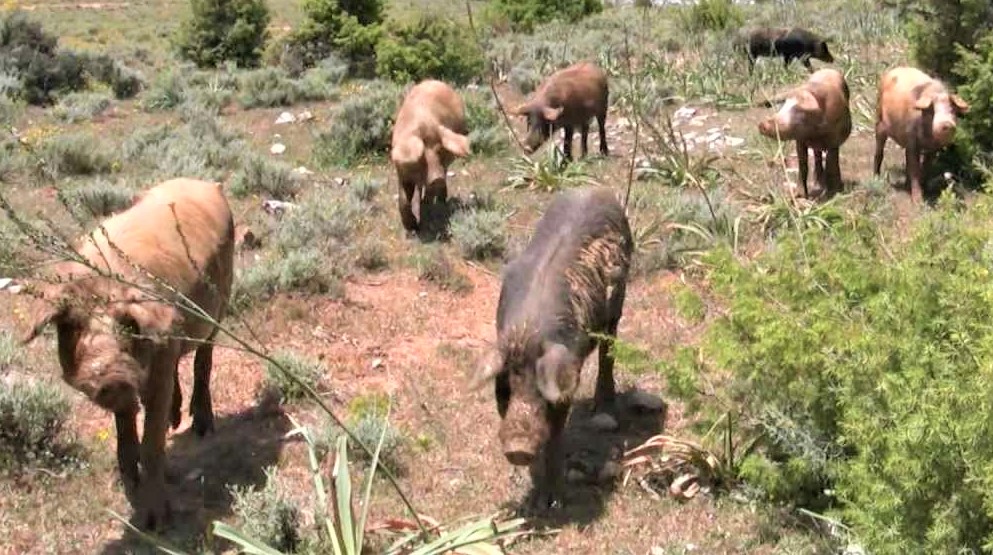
[{"x": 247, "y": 545}]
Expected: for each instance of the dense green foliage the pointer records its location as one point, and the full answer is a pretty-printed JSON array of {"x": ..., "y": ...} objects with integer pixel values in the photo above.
[
  {"x": 713, "y": 15},
  {"x": 350, "y": 28},
  {"x": 220, "y": 31},
  {"x": 429, "y": 47},
  {"x": 865, "y": 366},
  {"x": 524, "y": 15}
]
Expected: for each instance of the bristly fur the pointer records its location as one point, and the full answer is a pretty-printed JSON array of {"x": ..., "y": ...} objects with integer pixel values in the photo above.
[{"x": 601, "y": 265}]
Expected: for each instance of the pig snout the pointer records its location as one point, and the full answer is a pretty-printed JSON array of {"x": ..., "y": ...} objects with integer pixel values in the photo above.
[
  {"x": 523, "y": 432},
  {"x": 116, "y": 396},
  {"x": 112, "y": 384},
  {"x": 771, "y": 128},
  {"x": 944, "y": 130}
]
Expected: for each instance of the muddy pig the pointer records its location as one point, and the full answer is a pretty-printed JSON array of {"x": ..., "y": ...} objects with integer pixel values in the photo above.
[
  {"x": 568, "y": 98},
  {"x": 564, "y": 290},
  {"x": 920, "y": 114},
  {"x": 788, "y": 43},
  {"x": 815, "y": 115},
  {"x": 429, "y": 133},
  {"x": 121, "y": 327}
]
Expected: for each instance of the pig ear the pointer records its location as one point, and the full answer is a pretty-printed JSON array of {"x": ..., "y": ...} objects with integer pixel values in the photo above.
[
  {"x": 408, "y": 150},
  {"x": 490, "y": 366},
  {"x": 961, "y": 106},
  {"x": 152, "y": 317},
  {"x": 551, "y": 114},
  {"x": 42, "y": 318},
  {"x": 455, "y": 143},
  {"x": 924, "y": 101},
  {"x": 557, "y": 374},
  {"x": 806, "y": 102},
  {"x": 520, "y": 110}
]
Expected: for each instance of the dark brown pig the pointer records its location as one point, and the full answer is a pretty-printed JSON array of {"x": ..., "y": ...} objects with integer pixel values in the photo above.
[
  {"x": 566, "y": 288},
  {"x": 920, "y": 114},
  {"x": 569, "y": 98},
  {"x": 429, "y": 133},
  {"x": 815, "y": 115},
  {"x": 785, "y": 42},
  {"x": 121, "y": 326}
]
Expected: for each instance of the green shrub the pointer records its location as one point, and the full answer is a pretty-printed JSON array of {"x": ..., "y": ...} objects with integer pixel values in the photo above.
[
  {"x": 304, "y": 271},
  {"x": 306, "y": 370},
  {"x": 372, "y": 256},
  {"x": 433, "y": 265},
  {"x": 123, "y": 82},
  {"x": 361, "y": 127},
  {"x": 11, "y": 352},
  {"x": 169, "y": 89},
  {"x": 219, "y": 31},
  {"x": 349, "y": 28},
  {"x": 267, "y": 514},
  {"x": 82, "y": 106},
  {"x": 965, "y": 20},
  {"x": 201, "y": 147},
  {"x": 100, "y": 199},
  {"x": 864, "y": 381},
  {"x": 321, "y": 221},
  {"x": 33, "y": 425},
  {"x": 263, "y": 176},
  {"x": 429, "y": 47},
  {"x": 75, "y": 154},
  {"x": 713, "y": 15},
  {"x": 479, "y": 234},
  {"x": 524, "y": 15},
  {"x": 32, "y": 57},
  {"x": 487, "y": 131},
  {"x": 365, "y": 189}
]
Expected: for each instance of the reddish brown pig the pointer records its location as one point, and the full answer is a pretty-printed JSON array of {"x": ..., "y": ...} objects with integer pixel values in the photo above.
[
  {"x": 918, "y": 113},
  {"x": 815, "y": 115},
  {"x": 121, "y": 326},
  {"x": 569, "y": 98},
  {"x": 430, "y": 132}
]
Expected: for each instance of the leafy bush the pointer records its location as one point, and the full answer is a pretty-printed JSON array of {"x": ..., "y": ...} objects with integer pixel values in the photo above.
[
  {"x": 361, "y": 127},
  {"x": 100, "y": 199},
  {"x": 863, "y": 380},
  {"x": 479, "y": 234},
  {"x": 350, "y": 28},
  {"x": 75, "y": 155},
  {"x": 308, "y": 371},
  {"x": 267, "y": 514},
  {"x": 713, "y": 15},
  {"x": 365, "y": 189},
  {"x": 267, "y": 87},
  {"x": 33, "y": 58},
  {"x": 966, "y": 20},
  {"x": 433, "y": 265},
  {"x": 321, "y": 221},
  {"x": 303, "y": 270},
  {"x": 169, "y": 89},
  {"x": 201, "y": 147},
  {"x": 218, "y": 31},
  {"x": 123, "y": 82},
  {"x": 33, "y": 418},
  {"x": 430, "y": 47},
  {"x": 82, "y": 106},
  {"x": 263, "y": 176},
  {"x": 487, "y": 132},
  {"x": 524, "y": 15}
]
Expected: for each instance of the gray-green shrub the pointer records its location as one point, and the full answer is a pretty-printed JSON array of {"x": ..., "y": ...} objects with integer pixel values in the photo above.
[
  {"x": 305, "y": 271},
  {"x": 99, "y": 199},
  {"x": 524, "y": 15},
  {"x": 267, "y": 514},
  {"x": 310, "y": 372},
  {"x": 479, "y": 234},
  {"x": 433, "y": 265},
  {"x": 75, "y": 154},
  {"x": 33, "y": 425},
  {"x": 81, "y": 106},
  {"x": 260, "y": 175},
  {"x": 361, "y": 127}
]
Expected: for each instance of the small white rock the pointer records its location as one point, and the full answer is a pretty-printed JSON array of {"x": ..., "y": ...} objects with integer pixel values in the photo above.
[
  {"x": 734, "y": 141},
  {"x": 302, "y": 171},
  {"x": 278, "y": 148},
  {"x": 305, "y": 115},
  {"x": 376, "y": 363},
  {"x": 285, "y": 118},
  {"x": 603, "y": 422},
  {"x": 4, "y": 282},
  {"x": 423, "y": 294}
]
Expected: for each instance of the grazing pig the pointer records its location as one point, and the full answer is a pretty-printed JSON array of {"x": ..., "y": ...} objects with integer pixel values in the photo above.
[
  {"x": 918, "y": 113},
  {"x": 557, "y": 296},
  {"x": 122, "y": 327},
  {"x": 570, "y": 97},
  {"x": 815, "y": 115},
  {"x": 429, "y": 133},
  {"x": 788, "y": 43}
]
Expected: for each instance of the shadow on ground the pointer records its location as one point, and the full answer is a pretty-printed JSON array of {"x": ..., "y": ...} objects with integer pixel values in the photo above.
[
  {"x": 201, "y": 470},
  {"x": 588, "y": 452}
]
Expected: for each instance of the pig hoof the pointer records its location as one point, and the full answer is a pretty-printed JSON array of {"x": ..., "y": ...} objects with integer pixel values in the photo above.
[
  {"x": 203, "y": 424},
  {"x": 604, "y": 422},
  {"x": 156, "y": 517}
]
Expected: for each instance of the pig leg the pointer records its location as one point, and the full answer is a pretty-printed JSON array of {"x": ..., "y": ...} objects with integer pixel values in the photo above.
[
  {"x": 801, "y": 158},
  {"x": 833, "y": 170},
  {"x": 877, "y": 162},
  {"x": 548, "y": 487},
  {"x": 567, "y": 141},
  {"x": 406, "y": 212},
  {"x": 127, "y": 447},
  {"x": 914, "y": 174},
  {"x": 604, "y": 397},
  {"x": 584, "y": 132},
  {"x": 177, "y": 403},
  {"x": 819, "y": 169},
  {"x": 806, "y": 63},
  {"x": 201, "y": 406},
  {"x": 153, "y": 504},
  {"x": 601, "y": 121}
]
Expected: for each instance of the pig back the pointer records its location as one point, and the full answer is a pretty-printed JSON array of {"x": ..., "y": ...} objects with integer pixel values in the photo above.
[
  {"x": 430, "y": 101},
  {"x": 895, "y": 103},
  {"x": 580, "y": 90},
  {"x": 570, "y": 279},
  {"x": 831, "y": 90},
  {"x": 182, "y": 233}
]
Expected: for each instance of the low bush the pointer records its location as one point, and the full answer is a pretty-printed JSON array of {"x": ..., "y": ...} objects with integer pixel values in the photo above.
[
  {"x": 365, "y": 189},
  {"x": 33, "y": 425},
  {"x": 433, "y": 265},
  {"x": 712, "y": 15},
  {"x": 487, "y": 131},
  {"x": 100, "y": 199},
  {"x": 31, "y": 56},
  {"x": 219, "y": 31},
  {"x": 306, "y": 370},
  {"x": 479, "y": 234},
  {"x": 123, "y": 81},
  {"x": 267, "y": 514},
  {"x": 862, "y": 381},
  {"x": 202, "y": 146},
  {"x": 83, "y": 106},
  {"x": 372, "y": 256},
  {"x": 361, "y": 127},
  {"x": 77, "y": 154},
  {"x": 321, "y": 221},
  {"x": 429, "y": 47},
  {"x": 304, "y": 271},
  {"x": 524, "y": 15},
  {"x": 168, "y": 90},
  {"x": 262, "y": 176}
]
